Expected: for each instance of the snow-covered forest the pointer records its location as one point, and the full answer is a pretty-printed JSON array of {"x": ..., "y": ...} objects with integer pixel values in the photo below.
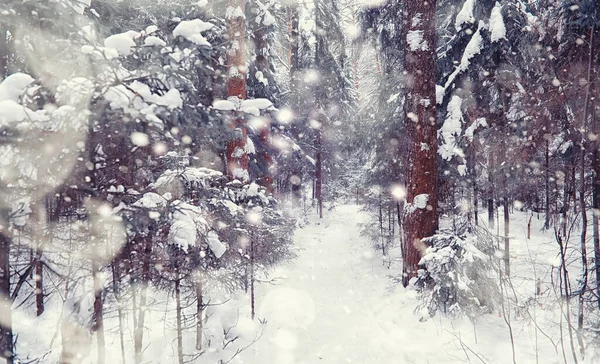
[{"x": 298, "y": 182}]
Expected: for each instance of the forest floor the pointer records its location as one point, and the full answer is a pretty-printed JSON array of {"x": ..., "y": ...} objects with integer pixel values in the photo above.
[{"x": 337, "y": 303}]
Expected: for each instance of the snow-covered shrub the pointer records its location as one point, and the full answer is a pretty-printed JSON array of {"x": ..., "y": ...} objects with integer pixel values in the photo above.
[{"x": 457, "y": 278}]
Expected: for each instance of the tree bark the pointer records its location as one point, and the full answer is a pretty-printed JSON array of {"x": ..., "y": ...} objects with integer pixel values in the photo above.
[
  {"x": 472, "y": 167},
  {"x": 139, "y": 329},
  {"x": 490, "y": 201},
  {"x": 98, "y": 304},
  {"x": 4, "y": 51},
  {"x": 596, "y": 210},
  {"x": 319, "y": 173},
  {"x": 584, "y": 220},
  {"x": 421, "y": 127},
  {"x": 39, "y": 221},
  {"x": 547, "y": 180},
  {"x": 252, "y": 302},
  {"x": 6, "y": 334},
  {"x": 199, "y": 311},
  {"x": 115, "y": 283},
  {"x": 506, "y": 237},
  {"x": 320, "y": 96},
  {"x": 178, "y": 323},
  {"x": 261, "y": 44},
  {"x": 237, "y": 159}
]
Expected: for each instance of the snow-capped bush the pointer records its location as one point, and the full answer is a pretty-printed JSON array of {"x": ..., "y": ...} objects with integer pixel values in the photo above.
[{"x": 458, "y": 278}]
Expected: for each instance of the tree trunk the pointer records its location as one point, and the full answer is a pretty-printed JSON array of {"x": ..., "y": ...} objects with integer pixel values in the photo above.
[
  {"x": 40, "y": 218},
  {"x": 472, "y": 167},
  {"x": 596, "y": 210},
  {"x": 262, "y": 47},
  {"x": 596, "y": 202},
  {"x": 6, "y": 334},
  {"x": 584, "y": 220},
  {"x": 199, "y": 311},
  {"x": 3, "y": 52},
  {"x": 139, "y": 329},
  {"x": 321, "y": 117},
  {"x": 296, "y": 183},
  {"x": 565, "y": 206},
  {"x": 421, "y": 127},
  {"x": 490, "y": 201},
  {"x": 547, "y": 180},
  {"x": 115, "y": 283},
  {"x": 319, "y": 173},
  {"x": 237, "y": 159},
  {"x": 39, "y": 283},
  {"x": 506, "y": 237},
  {"x": 178, "y": 323},
  {"x": 252, "y": 302},
  {"x": 98, "y": 304}
]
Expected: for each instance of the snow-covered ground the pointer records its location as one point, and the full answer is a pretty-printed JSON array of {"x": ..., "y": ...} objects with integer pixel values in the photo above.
[{"x": 336, "y": 303}]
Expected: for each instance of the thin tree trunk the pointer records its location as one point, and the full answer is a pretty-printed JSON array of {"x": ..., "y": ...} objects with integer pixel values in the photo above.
[
  {"x": 98, "y": 304},
  {"x": 115, "y": 283},
  {"x": 319, "y": 174},
  {"x": 472, "y": 167},
  {"x": 139, "y": 329},
  {"x": 319, "y": 95},
  {"x": 252, "y": 302},
  {"x": 4, "y": 50},
  {"x": 506, "y": 237},
  {"x": 584, "y": 220},
  {"x": 596, "y": 210},
  {"x": 6, "y": 333},
  {"x": 566, "y": 196},
  {"x": 420, "y": 221},
  {"x": 296, "y": 183},
  {"x": 490, "y": 202},
  {"x": 178, "y": 323},
  {"x": 199, "y": 311},
  {"x": 547, "y": 180},
  {"x": 39, "y": 283},
  {"x": 40, "y": 218}
]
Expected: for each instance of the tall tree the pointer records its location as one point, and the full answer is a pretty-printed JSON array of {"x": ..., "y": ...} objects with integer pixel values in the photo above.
[
  {"x": 236, "y": 158},
  {"x": 420, "y": 219}
]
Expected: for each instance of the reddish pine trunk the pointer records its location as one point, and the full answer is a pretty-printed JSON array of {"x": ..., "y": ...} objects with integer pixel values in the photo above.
[
  {"x": 236, "y": 31},
  {"x": 420, "y": 113},
  {"x": 237, "y": 159},
  {"x": 262, "y": 62}
]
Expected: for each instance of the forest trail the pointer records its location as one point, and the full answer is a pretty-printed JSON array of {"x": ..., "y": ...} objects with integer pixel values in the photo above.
[
  {"x": 323, "y": 307},
  {"x": 336, "y": 303}
]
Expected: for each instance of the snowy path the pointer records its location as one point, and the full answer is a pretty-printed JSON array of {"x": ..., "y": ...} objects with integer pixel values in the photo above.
[
  {"x": 322, "y": 310},
  {"x": 333, "y": 305}
]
